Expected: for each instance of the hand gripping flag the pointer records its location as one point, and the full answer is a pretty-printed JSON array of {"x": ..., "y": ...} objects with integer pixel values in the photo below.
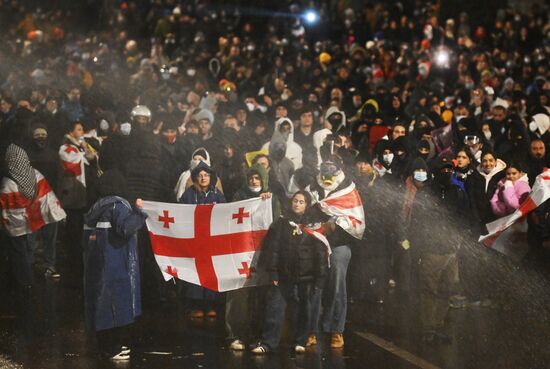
[
  {"x": 346, "y": 206},
  {"x": 539, "y": 194},
  {"x": 73, "y": 161},
  {"x": 213, "y": 246},
  {"x": 20, "y": 215}
]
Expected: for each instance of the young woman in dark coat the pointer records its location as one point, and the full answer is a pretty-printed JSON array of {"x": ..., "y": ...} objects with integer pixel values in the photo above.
[
  {"x": 203, "y": 191},
  {"x": 297, "y": 263}
]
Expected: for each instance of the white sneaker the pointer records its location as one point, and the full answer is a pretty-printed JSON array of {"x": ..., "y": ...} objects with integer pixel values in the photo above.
[
  {"x": 123, "y": 355},
  {"x": 237, "y": 345},
  {"x": 299, "y": 349}
]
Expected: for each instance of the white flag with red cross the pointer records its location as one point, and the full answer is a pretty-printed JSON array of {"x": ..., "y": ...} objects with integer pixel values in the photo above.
[
  {"x": 20, "y": 216},
  {"x": 346, "y": 206},
  {"x": 214, "y": 246},
  {"x": 539, "y": 194},
  {"x": 73, "y": 161}
]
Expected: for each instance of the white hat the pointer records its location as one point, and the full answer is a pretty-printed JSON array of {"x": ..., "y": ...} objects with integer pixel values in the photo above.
[
  {"x": 204, "y": 114},
  {"x": 501, "y": 102},
  {"x": 542, "y": 121}
]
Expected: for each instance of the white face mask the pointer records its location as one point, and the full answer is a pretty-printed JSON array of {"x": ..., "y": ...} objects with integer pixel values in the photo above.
[
  {"x": 250, "y": 106},
  {"x": 388, "y": 158},
  {"x": 255, "y": 189},
  {"x": 103, "y": 125},
  {"x": 487, "y": 135},
  {"x": 533, "y": 126},
  {"x": 421, "y": 176},
  {"x": 125, "y": 129}
]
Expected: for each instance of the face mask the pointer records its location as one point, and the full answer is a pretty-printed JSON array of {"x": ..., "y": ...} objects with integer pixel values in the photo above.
[
  {"x": 284, "y": 97},
  {"x": 125, "y": 129},
  {"x": 487, "y": 135},
  {"x": 469, "y": 86},
  {"x": 255, "y": 189},
  {"x": 170, "y": 138},
  {"x": 459, "y": 117},
  {"x": 533, "y": 126},
  {"x": 424, "y": 156},
  {"x": 191, "y": 72},
  {"x": 420, "y": 176},
  {"x": 41, "y": 143},
  {"x": 103, "y": 125},
  {"x": 388, "y": 158},
  {"x": 250, "y": 106}
]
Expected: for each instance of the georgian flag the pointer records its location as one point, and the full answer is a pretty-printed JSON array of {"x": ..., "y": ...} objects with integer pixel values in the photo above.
[
  {"x": 214, "y": 246},
  {"x": 346, "y": 206},
  {"x": 539, "y": 194},
  {"x": 20, "y": 215},
  {"x": 73, "y": 161}
]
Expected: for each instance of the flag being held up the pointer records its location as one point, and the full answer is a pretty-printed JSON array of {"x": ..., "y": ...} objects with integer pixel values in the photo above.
[
  {"x": 539, "y": 194},
  {"x": 213, "y": 246}
]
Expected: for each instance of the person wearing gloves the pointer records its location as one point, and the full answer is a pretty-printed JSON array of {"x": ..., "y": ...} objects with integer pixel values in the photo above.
[
  {"x": 438, "y": 263},
  {"x": 511, "y": 191},
  {"x": 297, "y": 263},
  {"x": 112, "y": 292},
  {"x": 241, "y": 304}
]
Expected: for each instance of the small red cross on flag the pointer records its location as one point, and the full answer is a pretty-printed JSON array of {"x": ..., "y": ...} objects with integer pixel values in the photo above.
[
  {"x": 166, "y": 219},
  {"x": 245, "y": 270},
  {"x": 240, "y": 215},
  {"x": 171, "y": 271}
]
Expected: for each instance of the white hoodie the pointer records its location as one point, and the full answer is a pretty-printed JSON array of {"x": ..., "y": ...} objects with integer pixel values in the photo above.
[
  {"x": 500, "y": 166},
  {"x": 293, "y": 150},
  {"x": 181, "y": 186}
]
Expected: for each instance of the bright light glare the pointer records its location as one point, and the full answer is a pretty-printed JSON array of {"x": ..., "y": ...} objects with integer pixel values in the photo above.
[
  {"x": 311, "y": 16},
  {"x": 442, "y": 58}
]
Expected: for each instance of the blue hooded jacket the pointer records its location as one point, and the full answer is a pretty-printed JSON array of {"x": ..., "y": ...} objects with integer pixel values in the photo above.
[{"x": 112, "y": 294}]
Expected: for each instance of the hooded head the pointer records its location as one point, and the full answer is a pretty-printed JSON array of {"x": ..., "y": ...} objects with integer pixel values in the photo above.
[
  {"x": 331, "y": 173},
  {"x": 260, "y": 171},
  {"x": 284, "y": 130},
  {"x": 112, "y": 183},
  {"x": 20, "y": 170},
  {"x": 419, "y": 172},
  {"x": 202, "y": 167},
  {"x": 198, "y": 156},
  {"x": 336, "y": 118}
]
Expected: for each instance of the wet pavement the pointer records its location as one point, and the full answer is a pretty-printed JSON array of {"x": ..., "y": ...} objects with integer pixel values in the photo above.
[{"x": 515, "y": 335}]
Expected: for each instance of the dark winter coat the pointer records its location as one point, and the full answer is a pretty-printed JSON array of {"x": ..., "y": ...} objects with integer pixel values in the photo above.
[
  {"x": 480, "y": 189},
  {"x": 244, "y": 193},
  {"x": 293, "y": 257},
  {"x": 111, "y": 266}
]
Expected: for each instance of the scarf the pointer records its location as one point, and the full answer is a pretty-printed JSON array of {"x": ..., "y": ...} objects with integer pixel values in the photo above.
[{"x": 20, "y": 170}]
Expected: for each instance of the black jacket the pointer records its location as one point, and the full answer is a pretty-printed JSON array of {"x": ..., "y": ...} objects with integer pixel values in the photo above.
[{"x": 292, "y": 257}]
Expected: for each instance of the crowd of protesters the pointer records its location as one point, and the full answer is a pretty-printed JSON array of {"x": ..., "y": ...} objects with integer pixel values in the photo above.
[{"x": 442, "y": 124}]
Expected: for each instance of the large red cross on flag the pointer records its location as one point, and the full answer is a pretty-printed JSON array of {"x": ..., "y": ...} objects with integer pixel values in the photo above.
[{"x": 214, "y": 246}]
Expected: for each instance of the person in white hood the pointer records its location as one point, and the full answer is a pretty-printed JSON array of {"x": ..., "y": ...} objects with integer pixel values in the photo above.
[
  {"x": 184, "y": 181},
  {"x": 284, "y": 131}
]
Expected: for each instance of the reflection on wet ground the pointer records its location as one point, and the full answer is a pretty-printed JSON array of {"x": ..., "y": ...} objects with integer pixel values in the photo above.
[{"x": 378, "y": 336}]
